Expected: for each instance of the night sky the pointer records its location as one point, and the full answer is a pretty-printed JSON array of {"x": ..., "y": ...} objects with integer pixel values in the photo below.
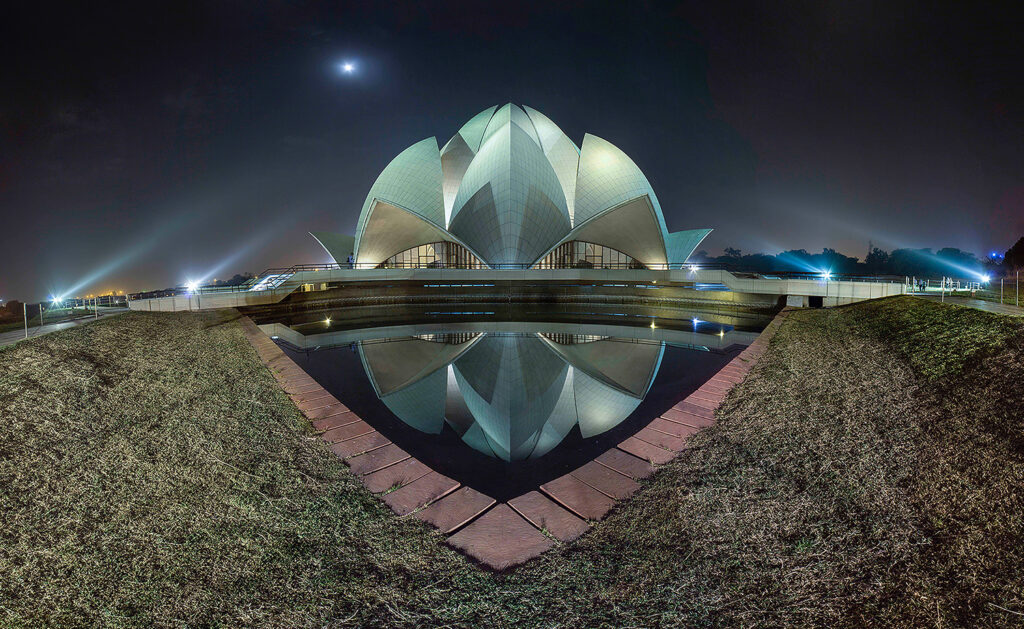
[{"x": 142, "y": 146}]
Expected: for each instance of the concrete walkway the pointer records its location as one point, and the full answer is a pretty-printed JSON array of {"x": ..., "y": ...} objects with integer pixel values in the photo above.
[
  {"x": 980, "y": 304},
  {"x": 13, "y": 336}
]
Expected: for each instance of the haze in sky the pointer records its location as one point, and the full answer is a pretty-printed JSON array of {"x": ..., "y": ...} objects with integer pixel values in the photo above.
[{"x": 141, "y": 146}]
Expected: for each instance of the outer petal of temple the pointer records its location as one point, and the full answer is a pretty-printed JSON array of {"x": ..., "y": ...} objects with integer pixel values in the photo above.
[
  {"x": 510, "y": 187},
  {"x": 339, "y": 246}
]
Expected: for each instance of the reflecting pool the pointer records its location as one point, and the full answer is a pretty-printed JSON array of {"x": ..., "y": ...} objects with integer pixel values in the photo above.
[{"x": 503, "y": 406}]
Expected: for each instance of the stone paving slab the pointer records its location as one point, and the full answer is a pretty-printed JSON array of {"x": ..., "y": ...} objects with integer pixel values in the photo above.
[
  {"x": 694, "y": 409},
  {"x": 335, "y": 421},
  {"x": 606, "y": 480},
  {"x": 689, "y": 419},
  {"x": 420, "y": 492},
  {"x": 310, "y": 396},
  {"x": 650, "y": 453},
  {"x": 660, "y": 439},
  {"x": 327, "y": 411},
  {"x": 303, "y": 388},
  {"x": 706, "y": 396},
  {"x": 397, "y": 475},
  {"x": 625, "y": 463},
  {"x": 716, "y": 387},
  {"x": 376, "y": 459},
  {"x": 500, "y": 539},
  {"x": 456, "y": 509},
  {"x": 318, "y": 403},
  {"x": 290, "y": 372},
  {"x": 299, "y": 387},
  {"x": 708, "y": 405},
  {"x": 548, "y": 516},
  {"x": 578, "y": 497},
  {"x": 672, "y": 428},
  {"x": 348, "y": 431},
  {"x": 359, "y": 445}
]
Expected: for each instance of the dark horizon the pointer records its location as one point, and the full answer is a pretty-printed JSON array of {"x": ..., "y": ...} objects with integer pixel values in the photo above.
[{"x": 143, "y": 146}]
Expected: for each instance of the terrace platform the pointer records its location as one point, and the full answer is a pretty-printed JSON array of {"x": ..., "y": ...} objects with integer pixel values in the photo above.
[{"x": 698, "y": 286}]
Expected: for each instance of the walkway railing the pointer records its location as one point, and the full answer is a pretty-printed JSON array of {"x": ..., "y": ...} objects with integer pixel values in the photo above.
[{"x": 273, "y": 278}]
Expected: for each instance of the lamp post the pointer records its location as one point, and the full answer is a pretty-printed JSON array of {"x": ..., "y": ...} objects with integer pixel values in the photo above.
[{"x": 24, "y": 310}]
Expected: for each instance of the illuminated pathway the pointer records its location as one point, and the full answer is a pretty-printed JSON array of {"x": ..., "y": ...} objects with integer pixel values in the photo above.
[
  {"x": 12, "y": 337},
  {"x": 980, "y": 304}
]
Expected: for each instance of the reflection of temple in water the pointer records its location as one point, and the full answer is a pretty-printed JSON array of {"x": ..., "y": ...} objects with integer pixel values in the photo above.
[{"x": 513, "y": 396}]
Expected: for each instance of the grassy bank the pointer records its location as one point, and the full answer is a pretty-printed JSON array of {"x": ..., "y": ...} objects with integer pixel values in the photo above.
[{"x": 867, "y": 473}]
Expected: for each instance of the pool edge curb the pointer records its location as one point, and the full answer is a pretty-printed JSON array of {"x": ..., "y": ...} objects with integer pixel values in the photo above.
[{"x": 561, "y": 509}]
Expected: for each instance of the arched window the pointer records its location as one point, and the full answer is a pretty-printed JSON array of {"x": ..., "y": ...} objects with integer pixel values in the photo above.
[
  {"x": 433, "y": 255},
  {"x": 577, "y": 254}
]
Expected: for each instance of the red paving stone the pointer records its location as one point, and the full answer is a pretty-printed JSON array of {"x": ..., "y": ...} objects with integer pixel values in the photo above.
[
  {"x": 299, "y": 387},
  {"x": 541, "y": 512},
  {"x": 334, "y": 421},
  {"x": 660, "y": 439},
  {"x": 501, "y": 538},
  {"x": 710, "y": 396},
  {"x": 327, "y": 411},
  {"x": 701, "y": 402},
  {"x": 684, "y": 417},
  {"x": 733, "y": 372},
  {"x": 646, "y": 451},
  {"x": 671, "y": 428},
  {"x": 578, "y": 497},
  {"x": 320, "y": 402},
  {"x": 310, "y": 396},
  {"x": 419, "y": 492},
  {"x": 695, "y": 409},
  {"x": 606, "y": 480},
  {"x": 455, "y": 509},
  {"x": 359, "y": 445},
  {"x": 376, "y": 459},
  {"x": 716, "y": 387},
  {"x": 305, "y": 388},
  {"x": 625, "y": 464},
  {"x": 401, "y": 473},
  {"x": 346, "y": 432}
]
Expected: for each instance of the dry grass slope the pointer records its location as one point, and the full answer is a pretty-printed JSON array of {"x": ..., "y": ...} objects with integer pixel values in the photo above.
[{"x": 867, "y": 473}]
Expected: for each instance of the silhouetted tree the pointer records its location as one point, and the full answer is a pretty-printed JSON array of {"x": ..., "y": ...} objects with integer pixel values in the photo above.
[
  {"x": 1014, "y": 257},
  {"x": 877, "y": 261}
]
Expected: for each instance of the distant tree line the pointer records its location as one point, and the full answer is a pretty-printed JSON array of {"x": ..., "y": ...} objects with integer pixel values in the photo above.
[{"x": 906, "y": 262}]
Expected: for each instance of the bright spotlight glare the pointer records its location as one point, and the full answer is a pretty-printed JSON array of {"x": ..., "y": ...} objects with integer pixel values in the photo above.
[
  {"x": 694, "y": 268},
  {"x": 985, "y": 279},
  {"x": 826, "y": 274},
  {"x": 695, "y": 321},
  {"x": 348, "y": 67},
  {"x": 191, "y": 286},
  {"x": 327, "y": 321}
]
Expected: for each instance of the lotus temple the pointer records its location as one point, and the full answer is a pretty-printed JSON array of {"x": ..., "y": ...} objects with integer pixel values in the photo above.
[
  {"x": 512, "y": 209},
  {"x": 511, "y": 190}
]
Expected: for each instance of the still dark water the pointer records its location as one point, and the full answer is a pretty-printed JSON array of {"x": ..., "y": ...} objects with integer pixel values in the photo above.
[{"x": 503, "y": 406}]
